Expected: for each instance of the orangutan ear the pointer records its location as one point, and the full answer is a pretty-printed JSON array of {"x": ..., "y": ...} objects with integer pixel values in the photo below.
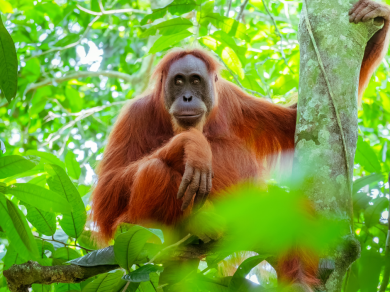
[
  {"x": 161, "y": 78},
  {"x": 216, "y": 77}
]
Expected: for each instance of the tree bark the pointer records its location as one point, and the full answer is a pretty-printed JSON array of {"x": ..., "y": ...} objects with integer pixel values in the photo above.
[{"x": 331, "y": 51}]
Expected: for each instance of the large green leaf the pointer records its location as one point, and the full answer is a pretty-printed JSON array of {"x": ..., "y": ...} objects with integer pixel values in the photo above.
[
  {"x": 366, "y": 180},
  {"x": 44, "y": 222},
  {"x": 142, "y": 274},
  {"x": 169, "y": 27},
  {"x": 366, "y": 157},
  {"x": 13, "y": 257},
  {"x": 39, "y": 197},
  {"x": 373, "y": 213},
  {"x": 164, "y": 42},
  {"x": 104, "y": 282},
  {"x": 65, "y": 287},
  {"x": 177, "y": 7},
  {"x": 14, "y": 164},
  {"x": 72, "y": 166},
  {"x": 5, "y": 7},
  {"x": 239, "y": 282},
  {"x": 128, "y": 245},
  {"x": 18, "y": 232},
  {"x": 104, "y": 256},
  {"x": 226, "y": 24},
  {"x": 8, "y": 64},
  {"x": 46, "y": 157},
  {"x": 73, "y": 223},
  {"x": 64, "y": 254}
]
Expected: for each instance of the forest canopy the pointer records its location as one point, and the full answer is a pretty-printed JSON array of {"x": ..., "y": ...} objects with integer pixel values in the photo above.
[{"x": 78, "y": 62}]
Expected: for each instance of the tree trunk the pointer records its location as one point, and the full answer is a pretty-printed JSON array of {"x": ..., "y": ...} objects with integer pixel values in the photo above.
[{"x": 331, "y": 51}]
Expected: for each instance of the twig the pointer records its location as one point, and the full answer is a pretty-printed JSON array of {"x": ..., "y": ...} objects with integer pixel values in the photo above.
[
  {"x": 170, "y": 247},
  {"x": 238, "y": 81},
  {"x": 80, "y": 115},
  {"x": 386, "y": 273},
  {"x": 81, "y": 74},
  {"x": 242, "y": 7},
  {"x": 65, "y": 244},
  {"x": 229, "y": 7},
  {"x": 21, "y": 277},
  {"x": 108, "y": 12},
  {"x": 70, "y": 45},
  {"x": 279, "y": 33}
]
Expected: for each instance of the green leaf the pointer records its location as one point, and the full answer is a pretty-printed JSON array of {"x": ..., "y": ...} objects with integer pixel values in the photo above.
[
  {"x": 87, "y": 240},
  {"x": 69, "y": 38},
  {"x": 18, "y": 232},
  {"x": 366, "y": 157},
  {"x": 14, "y": 164},
  {"x": 104, "y": 282},
  {"x": 39, "y": 100},
  {"x": 104, "y": 256},
  {"x": 73, "y": 223},
  {"x": 43, "y": 245},
  {"x": 360, "y": 201},
  {"x": 72, "y": 166},
  {"x": 5, "y": 7},
  {"x": 13, "y": 257},
  {"x": 46, "y": 157},
  {"x": 227, "y": 54},
  {"x": 226, "y": 24},
  {"x": 238, "y": 282},
  {"x": 75, "y": 101},
  {"x": 32, "y": 70},
  {"x": 168, "y": 27},
  {"x": 39, "y": 197},
  {"x": 64, "y": 254},
  {"x": 373, "y": 213},
  {"x": 142, "y": 274},
  {"x": 366, "y": 180},
  {"x": 44, "y": 222},
  {"x": 63, "y": 287},
  {"x": 164, "y": 42},
  {"x": 8, "y": 63},
  {"x": 128, "y": 245},
  {"x": 177, "y": 7}
]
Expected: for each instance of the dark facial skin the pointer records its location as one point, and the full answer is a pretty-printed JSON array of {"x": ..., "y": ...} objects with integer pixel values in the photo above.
[{"x": 189, "y": 91}]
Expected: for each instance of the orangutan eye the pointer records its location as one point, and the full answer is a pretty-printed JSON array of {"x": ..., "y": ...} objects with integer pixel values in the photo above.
[
  {"x": 196, "y": 80},
  {"x": 179, "y": 81}
]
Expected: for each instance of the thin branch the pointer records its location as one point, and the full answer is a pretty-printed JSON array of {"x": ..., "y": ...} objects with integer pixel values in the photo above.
[
  {"x": 229, "y": 7},
  {"x": 279, "y": 33},
  {"x": 170, "y": 247},
  {"x": 239, "y": 83},
  {"x": 65, "y": 244},
  {"x": 21, "y": 277},
  {"x": 242, "y": 7},
  {"x": 108, "y": 12},
  {"x": 81, "y": 74},
  {"x": 70, "y": 45},
  {"x": 80, "y": 115}
]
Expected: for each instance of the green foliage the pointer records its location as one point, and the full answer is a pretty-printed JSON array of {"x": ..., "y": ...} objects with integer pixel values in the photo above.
[
  {"x": 8, "y": 59},
  {"x": 53, "y": 130}
]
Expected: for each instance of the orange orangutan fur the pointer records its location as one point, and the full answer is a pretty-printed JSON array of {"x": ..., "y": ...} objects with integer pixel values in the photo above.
[{"x": 144, "y": 159}]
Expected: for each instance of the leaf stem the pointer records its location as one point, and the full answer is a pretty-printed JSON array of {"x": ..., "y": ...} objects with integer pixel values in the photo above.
[{"x": 169, "y": 247}]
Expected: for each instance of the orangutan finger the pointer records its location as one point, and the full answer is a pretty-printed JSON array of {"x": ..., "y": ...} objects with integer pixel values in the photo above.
[
  {"x": 202, "y": 189},
  {"x": 185, "y": 181},
  {"x": 192, "y": 189}
]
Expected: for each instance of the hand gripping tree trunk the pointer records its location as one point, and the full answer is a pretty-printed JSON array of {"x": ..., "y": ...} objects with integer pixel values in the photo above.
[{"x": 331, "y": 50}]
